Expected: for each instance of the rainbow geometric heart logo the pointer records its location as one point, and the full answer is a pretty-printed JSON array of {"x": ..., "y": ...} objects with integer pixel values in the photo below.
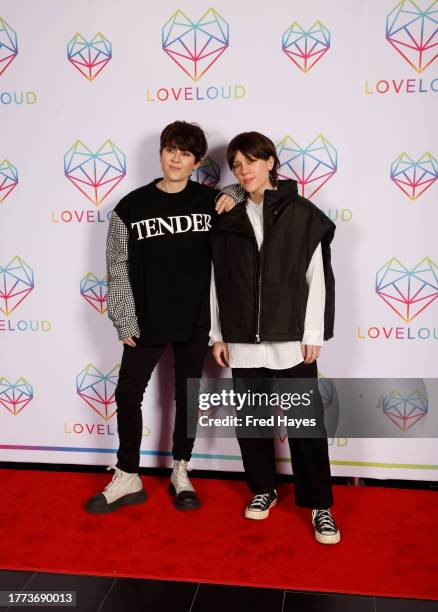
[
  {"x": 98, "y": 389},
  {"x": 311, "y": 166},
  {"x": 8, "y": 45},
  {"x": 412, "y": 29},
  {"x": 94, "y": 291},
  {"x": 16, "y": 282},
  {"x": 327, "y": 391},
  {"x": 408, "y": 292},
  {"x": 15, "y": 396},
  {"x": 412, "y": 176},
  {"x": 8, "y": 179},
  {"x": 306, "y": 47},
  {"x": 405, "y": 410},
  {"x": 208, "y": 173},
  {"x": 89, "y": 56},
  {"x": 195, "y": 45},
  {"x": 95, "y": 174}
]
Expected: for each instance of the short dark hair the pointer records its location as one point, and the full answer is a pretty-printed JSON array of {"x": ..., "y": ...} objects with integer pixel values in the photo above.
[
  {"x": 184, "y": 136},
  {"x": 254, "y": 145}
]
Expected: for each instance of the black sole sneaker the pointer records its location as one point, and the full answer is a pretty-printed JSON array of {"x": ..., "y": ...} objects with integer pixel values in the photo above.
[
  {"x": 99, "y": 505},
  {"x": 186, "y": 500}
]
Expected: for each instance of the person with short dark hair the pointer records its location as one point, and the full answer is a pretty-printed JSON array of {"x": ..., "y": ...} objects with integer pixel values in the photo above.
[
  {"x": 158, "y": 270},
  {"x": 272, "y": 305}
]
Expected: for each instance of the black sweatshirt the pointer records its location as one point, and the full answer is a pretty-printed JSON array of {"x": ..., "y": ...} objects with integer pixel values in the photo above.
[{"x": 168, "y": 260}]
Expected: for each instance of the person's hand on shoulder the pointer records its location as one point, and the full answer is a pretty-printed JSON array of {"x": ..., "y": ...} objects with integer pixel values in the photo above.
[
  {"x": 224, "y": 203},
  {"x": 230, "y": 196}
]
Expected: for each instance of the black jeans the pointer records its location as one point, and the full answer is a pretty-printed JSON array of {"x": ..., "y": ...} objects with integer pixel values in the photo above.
[
  {"x": 309, "y": 456},
  {"x": 138, "y": 363}
]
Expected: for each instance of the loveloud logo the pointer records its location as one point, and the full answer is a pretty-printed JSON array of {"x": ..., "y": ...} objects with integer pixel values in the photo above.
[
  {"x": 98, "y": 392},
  {"x": 208, "y": 173},
  {"x": 94, "y": 291},
  {"x": 95, "y": 175},
  {"x": 330, "y": 402},
  {"x": 8, "y": 45},
  {"x": 414, "y": 177},
  {"x": 8, "y": 179},
  {"x": 412, "y": 30},
  {"x": 15, "y": 396},
  {"x": 408, "y": 292},
  {"x": 8, "y": 52},
  {"x": 195, "y": 47},
  {"x": 98, "y": 389},
  {"x": 17, "y": 281},
  {"x": 311, "y": 166},
  {"x": 306, "y": 47},
  {"x": 404, "y": 410},
  {"x": 89, "y": 56}
]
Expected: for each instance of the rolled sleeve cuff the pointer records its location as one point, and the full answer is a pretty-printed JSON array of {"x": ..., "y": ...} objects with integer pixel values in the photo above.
[
  {"x": 128, "y": 330},
  {"x": 217, "y": 337},
  {"x": 313, "y": 337}
]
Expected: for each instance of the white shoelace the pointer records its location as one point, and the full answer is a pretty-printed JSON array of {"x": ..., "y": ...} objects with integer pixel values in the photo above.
[
  {"x": 324, "y": 521},
  {"x": 180, "y": 471},
  {"x": 259, "y": 501},
  {"x": 117, "y": 474}
]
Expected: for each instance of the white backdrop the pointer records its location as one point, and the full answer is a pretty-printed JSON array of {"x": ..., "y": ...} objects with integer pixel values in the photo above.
[{"x": 373, "y": 99}]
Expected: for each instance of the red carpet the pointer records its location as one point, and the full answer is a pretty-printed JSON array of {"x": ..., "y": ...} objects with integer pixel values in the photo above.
[{"x": 389, "y": 541}]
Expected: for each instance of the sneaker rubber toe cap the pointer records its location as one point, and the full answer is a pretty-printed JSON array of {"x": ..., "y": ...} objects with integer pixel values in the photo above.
[
  {"x": 185, "y": 500},
  {"x": 97, "y": 504}
]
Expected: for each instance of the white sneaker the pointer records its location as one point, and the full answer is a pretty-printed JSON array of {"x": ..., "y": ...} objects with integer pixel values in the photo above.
[
  {"x": 124, "y": 489},
  {"x": 181, "y": 488}
]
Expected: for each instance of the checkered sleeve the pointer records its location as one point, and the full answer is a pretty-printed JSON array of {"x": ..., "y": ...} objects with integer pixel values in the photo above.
[
  {"x": 120, "y": 299},
  {"x": 235, "y": 191}
]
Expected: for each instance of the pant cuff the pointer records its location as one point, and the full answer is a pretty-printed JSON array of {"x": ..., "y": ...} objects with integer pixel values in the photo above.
[{"x": 128, "y": 469}]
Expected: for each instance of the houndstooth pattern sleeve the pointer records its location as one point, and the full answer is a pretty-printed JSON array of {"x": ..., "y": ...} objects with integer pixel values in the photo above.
[
  {"x": 235, "y": 191},
  {"x": 120, "y": 299}
]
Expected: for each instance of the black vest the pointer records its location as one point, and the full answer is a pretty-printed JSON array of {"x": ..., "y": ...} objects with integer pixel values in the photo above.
[{"x": 262, "y": 294}]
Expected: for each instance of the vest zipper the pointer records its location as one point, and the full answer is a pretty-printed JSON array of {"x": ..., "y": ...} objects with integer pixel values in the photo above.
[{"x": 259, "y": 305}]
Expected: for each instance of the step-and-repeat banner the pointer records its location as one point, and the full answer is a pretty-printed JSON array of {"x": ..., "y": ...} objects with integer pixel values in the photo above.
[{"x": 348, "y": 91}]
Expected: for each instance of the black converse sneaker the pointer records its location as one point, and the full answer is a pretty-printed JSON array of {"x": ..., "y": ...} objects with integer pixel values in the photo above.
[
  {"x": 258, "y": 508},
  {"x": 326, "y": 531}
]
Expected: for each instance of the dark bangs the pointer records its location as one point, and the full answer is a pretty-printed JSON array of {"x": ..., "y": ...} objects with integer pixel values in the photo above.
[
  {"x": 253, "y": 145},
  {"x": 184, "y": 136}
]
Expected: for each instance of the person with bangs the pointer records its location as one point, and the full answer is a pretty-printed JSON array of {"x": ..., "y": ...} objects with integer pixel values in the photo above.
[
  {"x": 158, "y": 271},
  {"x": 272, "y": 306}
]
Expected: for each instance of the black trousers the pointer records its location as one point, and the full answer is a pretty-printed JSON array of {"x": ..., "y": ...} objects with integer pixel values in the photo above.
[
  {"x": 309, "y": 456},
  {"x": 137, "y": 366}
]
